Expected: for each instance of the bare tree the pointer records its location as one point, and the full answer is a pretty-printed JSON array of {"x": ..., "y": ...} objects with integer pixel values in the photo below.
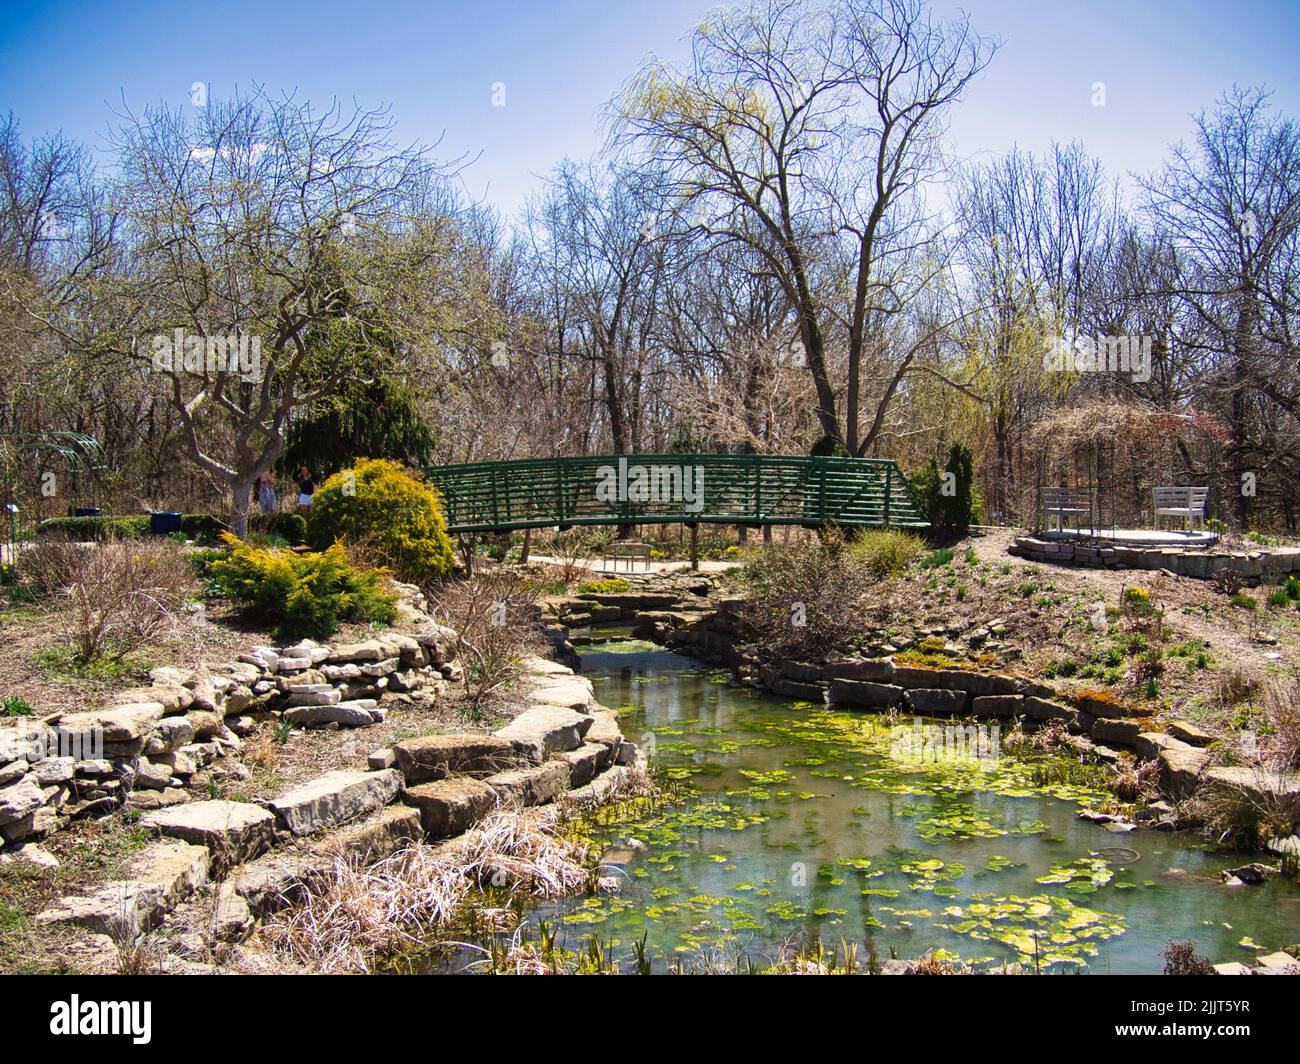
[
  {"x": 804, "y": 131},
  {"x": 265, "y": 227}
]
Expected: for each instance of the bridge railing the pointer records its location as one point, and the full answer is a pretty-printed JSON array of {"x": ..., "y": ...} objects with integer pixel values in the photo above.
[{"x": 676, "y": 488}]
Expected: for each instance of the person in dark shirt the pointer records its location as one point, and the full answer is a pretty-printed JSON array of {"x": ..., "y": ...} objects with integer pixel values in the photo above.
[{"x": 306, "y": 489}]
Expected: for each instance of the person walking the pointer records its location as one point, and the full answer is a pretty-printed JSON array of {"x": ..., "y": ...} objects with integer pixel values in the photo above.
[{"x": 306, "y": 489}]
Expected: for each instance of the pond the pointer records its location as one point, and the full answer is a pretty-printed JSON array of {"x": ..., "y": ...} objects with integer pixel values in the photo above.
[{"x": 805, "y": 823}]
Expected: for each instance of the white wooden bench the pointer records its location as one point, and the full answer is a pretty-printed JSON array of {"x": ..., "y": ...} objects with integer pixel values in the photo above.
[
  {"x": 631, "y": 552},
  {"x": 1185, "y": 503},
  {"x": 1066, "y": 504}
]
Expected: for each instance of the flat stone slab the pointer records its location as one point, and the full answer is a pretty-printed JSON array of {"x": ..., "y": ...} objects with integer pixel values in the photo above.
[
  {"x": 585, "y": 762},
  {"x": 605, "y": 730},
  {"x": 534, "y": 785},
  {"x": 1256, "y": 784},
  {"x": 233, "y": 832},
  {"x": 435, "y": 757},
  {"x": 278, "y": 877},
  {"x": 997, "y": 705},
  {"x": 568, "y": 692},
  {"x": 1122, "y": 732},
  {"x": 544, "y": 730},
  {"x": 1189, "y": 733},
  {"x": 376, "y": 837},
  {"x": 1046, "y": 709},
  {"x": 866, "y": 693},
  {"x": 1279, "y": 961},
  {"x": 19, "y": 799},
  {"x": 937, "y": 701},
  {"x": 877, "y": 670},
  {"x": 450, "y": 806},
  {"x": 335, "y": 798},
  {"x": 344, "y": 714},
  {"x": 163, "y": 875},
  {"x": 119, "y": 724}
]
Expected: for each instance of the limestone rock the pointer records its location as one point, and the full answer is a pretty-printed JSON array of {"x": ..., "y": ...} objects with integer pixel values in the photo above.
[
  {"x": 936, "y": 701},
  {"x": 1189, "y": 733},
  {"x": 171, "y": 733},
  {"x": 866, "y": 693},
  {"x": 232, "y": 831},
  {"x": 335, "y": 798},
  {"x": 432, "y": 757},
  {"x": 997, "y": 705},
  {"x": 344, "y": 714},
  {"x": 449, "y": 806},
  {"x": 585, "y": 762},
  {"x": 164, "y": 874},
  {"x": 534, "y": 785},
  {"x": 543, "y": 730},
  {"x": 1181, "y": 766},
  {"x": 20, "y": 799}
]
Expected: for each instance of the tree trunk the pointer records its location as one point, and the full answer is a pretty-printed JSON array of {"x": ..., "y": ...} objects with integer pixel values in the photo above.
[{"x": 243, "y": 492}]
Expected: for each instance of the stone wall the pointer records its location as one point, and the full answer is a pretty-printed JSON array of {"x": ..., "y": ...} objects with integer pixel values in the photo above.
[
  {"x": 258, "y": 856},
  {"x": 1099, "y": 724},
  {"x": 1251, "y": 566},
  {"x": 141, "y": 751}
]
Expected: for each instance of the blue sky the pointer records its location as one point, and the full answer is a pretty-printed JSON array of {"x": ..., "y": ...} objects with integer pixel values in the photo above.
[{"x": 65, "y": 65}]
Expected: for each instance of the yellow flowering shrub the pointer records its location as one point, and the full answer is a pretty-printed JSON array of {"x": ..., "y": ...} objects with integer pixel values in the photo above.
[{"x": 381, "y": 505}]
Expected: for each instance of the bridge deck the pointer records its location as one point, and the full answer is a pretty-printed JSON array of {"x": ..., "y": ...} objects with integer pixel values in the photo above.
[{"x": 676, "y": 488}]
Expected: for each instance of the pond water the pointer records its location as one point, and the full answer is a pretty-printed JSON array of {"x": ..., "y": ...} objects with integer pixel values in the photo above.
[{"x": 803, "y": 825}]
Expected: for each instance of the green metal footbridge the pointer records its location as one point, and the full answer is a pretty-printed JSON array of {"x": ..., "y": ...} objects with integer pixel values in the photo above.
[{"x": 690, "y": 489}]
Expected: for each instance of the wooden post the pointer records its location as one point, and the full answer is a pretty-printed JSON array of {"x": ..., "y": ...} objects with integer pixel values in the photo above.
[
  {"x": 695, "y": 547},
  {"x": 523, "y": 556},
  {"x": 467, "y": 548}
]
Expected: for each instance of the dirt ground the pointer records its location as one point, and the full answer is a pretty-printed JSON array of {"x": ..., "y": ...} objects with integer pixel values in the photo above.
[{"x": 1049, "y": 614}]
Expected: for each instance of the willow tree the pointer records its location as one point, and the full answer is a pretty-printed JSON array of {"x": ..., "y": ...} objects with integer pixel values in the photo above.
[{"x": 806, "y": 131}]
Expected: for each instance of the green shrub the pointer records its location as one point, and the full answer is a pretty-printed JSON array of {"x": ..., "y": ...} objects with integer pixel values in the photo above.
[
  {"x": 382, "y": 507},
  {"x": 950, "y": 514},
  {"x": 307, "y": 594},
  {"x": 92, "y": 529},
  {"x": 13, "y": 706},
  {"x": 937, "y": 559},
  {"x": 202, "y": 528},
  {"x": 885, "y": 552},
  {"x": 292, "y": 528}
]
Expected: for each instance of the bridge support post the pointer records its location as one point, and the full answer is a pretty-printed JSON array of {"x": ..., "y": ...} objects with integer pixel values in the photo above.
[
  {"x": 695, "y": 547},
  {"x": 523, "y": 554}
]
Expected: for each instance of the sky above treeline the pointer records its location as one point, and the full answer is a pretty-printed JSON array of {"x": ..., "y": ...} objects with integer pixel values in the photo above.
[{"x": 445, "y": 68}]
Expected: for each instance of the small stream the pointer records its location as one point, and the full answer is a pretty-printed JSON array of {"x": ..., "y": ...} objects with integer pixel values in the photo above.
[{"x": 801, "y": 826}]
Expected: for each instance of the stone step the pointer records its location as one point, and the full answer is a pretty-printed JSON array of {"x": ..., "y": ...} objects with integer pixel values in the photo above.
[
  {"x": 278, "y": 877},
  {"x": 448, "y": 807},
  {"x": 586, "y": 762},
  {"x": 544, "y": 730},
  {"x": 344, "y": 714},
  {"x": 335, "y": 798},
  {"x": 866, "y": 693},
  {"x": 534, "y": 785},
  {"x": 435, "y": 757},
  {"x": 233, "y": 832},
  {"x": 163, "y": 875},
  {"x": 568, "y": 692}
]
